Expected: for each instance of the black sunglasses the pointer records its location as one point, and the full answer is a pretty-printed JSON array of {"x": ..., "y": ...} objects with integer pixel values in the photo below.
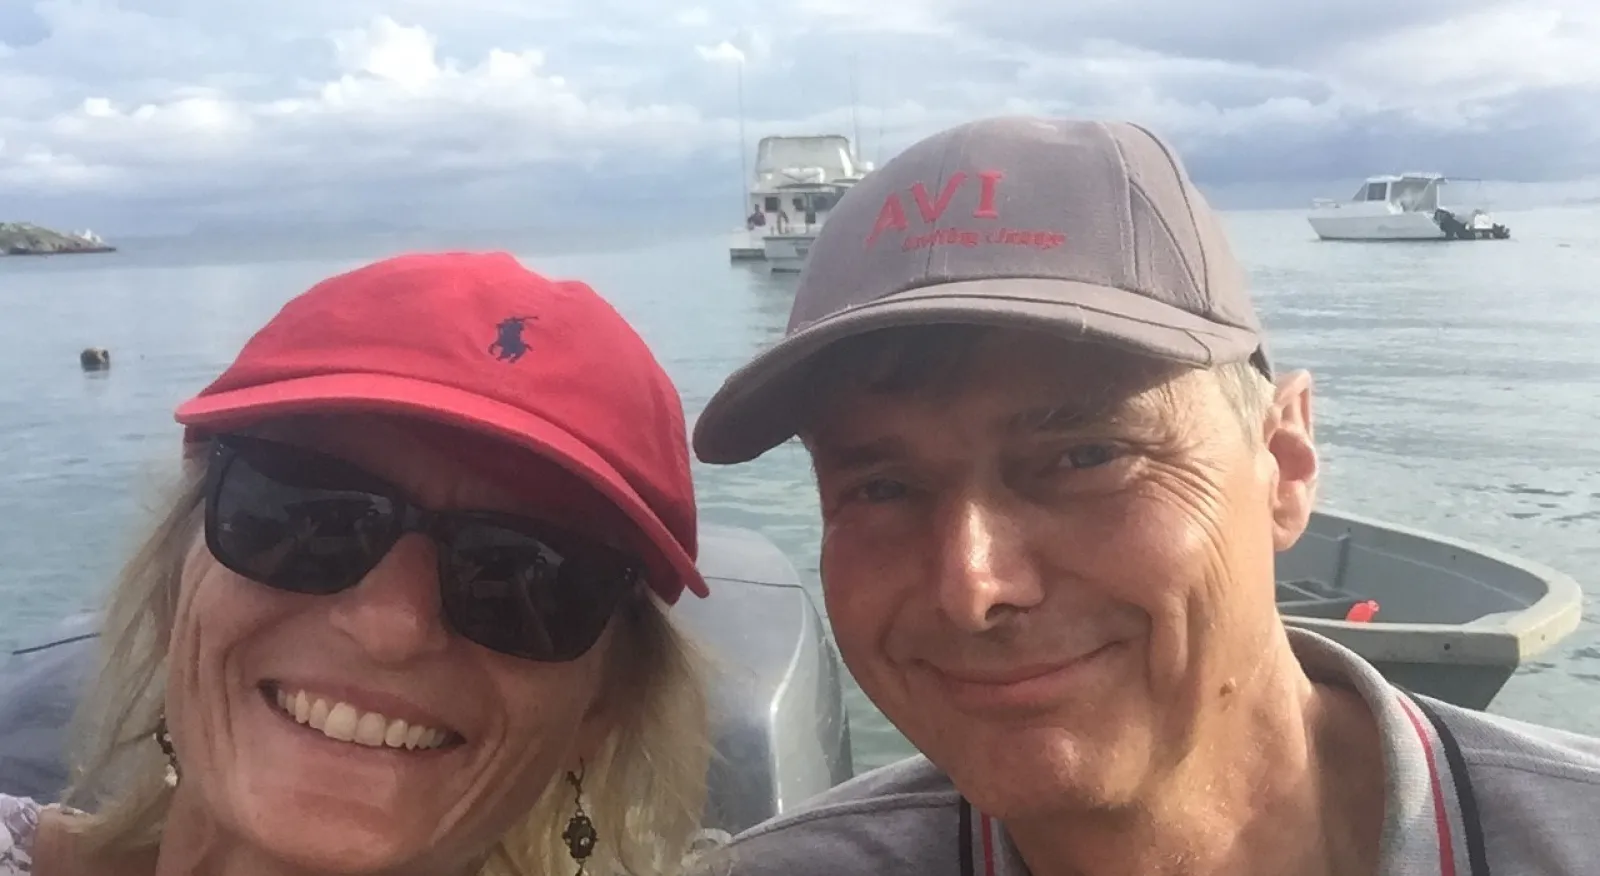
[{"x": 306, "y": 522}]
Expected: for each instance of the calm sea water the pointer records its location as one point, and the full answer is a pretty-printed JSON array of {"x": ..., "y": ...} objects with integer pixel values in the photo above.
[{"x": 1459, "y": 392}]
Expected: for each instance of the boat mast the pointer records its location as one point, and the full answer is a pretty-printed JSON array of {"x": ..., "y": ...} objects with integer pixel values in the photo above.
[
  {"x": 855, "y": 115},
  {"x": 877, "y": 144},
  {"x": 744, "y": 167}
]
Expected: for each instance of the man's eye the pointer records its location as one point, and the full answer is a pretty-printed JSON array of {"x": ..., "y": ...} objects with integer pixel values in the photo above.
[
  {"x": 1088, "y": 456},
  {"x": 881, "y": 490}
]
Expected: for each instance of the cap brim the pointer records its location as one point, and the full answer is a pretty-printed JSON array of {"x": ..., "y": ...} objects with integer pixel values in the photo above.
[
  {"x": 387, "y": 393},
  {"x": 754, "y": 411}
]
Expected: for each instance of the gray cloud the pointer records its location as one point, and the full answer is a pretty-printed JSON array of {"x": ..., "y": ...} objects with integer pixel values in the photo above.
[
  {"x": 176, "y": 113},
  {"x": 21, "y": 26},
  {"x": 1540, "y": 135},
  {"x": 1247, "y": 31}
]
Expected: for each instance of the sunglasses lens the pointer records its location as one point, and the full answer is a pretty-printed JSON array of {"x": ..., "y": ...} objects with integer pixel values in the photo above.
[
  {"x": 299, "y": 521},
  {"x": 296, "y": 521},
  {"x": 521, "y": 589}
]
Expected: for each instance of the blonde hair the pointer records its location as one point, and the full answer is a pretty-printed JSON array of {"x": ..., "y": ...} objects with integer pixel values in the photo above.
[{"x": 644, "y": 789}]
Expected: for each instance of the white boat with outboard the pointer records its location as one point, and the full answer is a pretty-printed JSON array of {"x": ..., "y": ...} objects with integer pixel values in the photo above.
[
  {"x": 1406, "y": 206},
  {"x": 796, "y": 182},
  {"x": 1452, "y": 621}
]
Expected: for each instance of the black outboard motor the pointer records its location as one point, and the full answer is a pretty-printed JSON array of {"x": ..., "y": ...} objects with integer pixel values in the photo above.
[
  {"x": 1452, "y": 227},
  {"x": 1455, "y": 229}
]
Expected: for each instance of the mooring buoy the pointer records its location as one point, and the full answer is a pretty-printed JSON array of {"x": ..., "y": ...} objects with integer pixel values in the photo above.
[{"x": 95, "y": 359}]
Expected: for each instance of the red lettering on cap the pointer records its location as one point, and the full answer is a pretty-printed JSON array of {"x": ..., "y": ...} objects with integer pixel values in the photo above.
[
  {"x": 892, "y": 215},
  {"x": 990, "y": 182},
  {"x": 932, "y": 212}
]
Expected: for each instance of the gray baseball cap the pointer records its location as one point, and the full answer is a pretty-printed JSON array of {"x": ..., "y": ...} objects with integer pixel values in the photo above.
[{"x": 1088, "y": 230}]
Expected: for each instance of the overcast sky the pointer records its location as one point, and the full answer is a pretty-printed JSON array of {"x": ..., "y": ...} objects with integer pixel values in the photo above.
[{"x": 164, "y": 114}]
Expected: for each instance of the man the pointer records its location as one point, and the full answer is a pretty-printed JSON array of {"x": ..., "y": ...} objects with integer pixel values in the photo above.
[{"x": 1055, "y": 466}]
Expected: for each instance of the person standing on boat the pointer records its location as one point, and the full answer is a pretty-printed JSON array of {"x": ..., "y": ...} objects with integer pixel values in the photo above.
[{"x": 1055, "y": 465}]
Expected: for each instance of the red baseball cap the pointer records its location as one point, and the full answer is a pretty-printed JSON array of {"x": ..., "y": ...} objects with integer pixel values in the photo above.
[{"x": 478, "y": 342}]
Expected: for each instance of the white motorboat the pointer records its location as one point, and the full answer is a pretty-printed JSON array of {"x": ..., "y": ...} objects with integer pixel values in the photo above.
[
  {"x": 1407, "y": 206},
  {"x": 1451, "y": 621},
  {"x": 797, "y": 180}
]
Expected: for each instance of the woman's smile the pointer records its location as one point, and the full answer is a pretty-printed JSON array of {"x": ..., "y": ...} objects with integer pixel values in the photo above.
[{"x": 343, "y": 721}]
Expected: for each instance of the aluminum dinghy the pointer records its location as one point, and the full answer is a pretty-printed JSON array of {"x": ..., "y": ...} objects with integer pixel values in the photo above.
[{"x": 1454, "y": 620}]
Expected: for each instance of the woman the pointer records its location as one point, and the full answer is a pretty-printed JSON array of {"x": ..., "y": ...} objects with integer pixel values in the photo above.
[{"x": 408, "y": 611}]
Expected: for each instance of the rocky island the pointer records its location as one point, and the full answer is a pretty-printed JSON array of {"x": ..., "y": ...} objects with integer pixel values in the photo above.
[{"x": 22, "y": 239}]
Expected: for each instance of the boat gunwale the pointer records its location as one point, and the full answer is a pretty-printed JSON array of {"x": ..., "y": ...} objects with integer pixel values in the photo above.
[{"x": 1495, "y": 638}]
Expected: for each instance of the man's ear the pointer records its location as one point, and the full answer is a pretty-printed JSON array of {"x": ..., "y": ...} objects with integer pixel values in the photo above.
[{"x": 1290, "y": 439}]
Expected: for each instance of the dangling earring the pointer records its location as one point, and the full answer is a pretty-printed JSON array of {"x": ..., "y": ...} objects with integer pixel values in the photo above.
[
  {"x": 580, "y": 835},
  {"x": 164, "y": 739}
]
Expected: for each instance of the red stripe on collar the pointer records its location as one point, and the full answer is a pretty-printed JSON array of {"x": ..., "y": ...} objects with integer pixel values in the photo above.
[
  {"x": 986, "y": 829},
  {"x": 1441, "y": 817}
]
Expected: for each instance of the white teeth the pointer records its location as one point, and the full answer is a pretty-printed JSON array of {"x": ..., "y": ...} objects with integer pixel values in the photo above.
[
  {"x": 318, "y": 715},
  {"x": 346, "y": 723},
  {"x": 341, "y": 723},
  {"x": 370, "y": 729}
]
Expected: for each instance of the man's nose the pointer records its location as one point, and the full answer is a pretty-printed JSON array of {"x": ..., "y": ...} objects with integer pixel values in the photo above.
[{"x": 985, "y": 568}]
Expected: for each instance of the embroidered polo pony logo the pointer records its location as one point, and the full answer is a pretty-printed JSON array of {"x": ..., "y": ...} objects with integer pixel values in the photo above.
[{"x": 509, "y": 345}]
